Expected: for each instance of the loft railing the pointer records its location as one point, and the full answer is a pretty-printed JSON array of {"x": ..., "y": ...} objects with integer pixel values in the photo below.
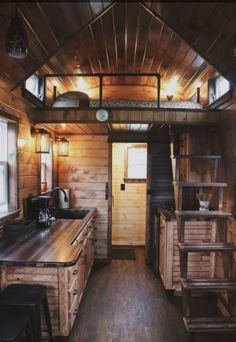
[{"x": 42, "y": 101}]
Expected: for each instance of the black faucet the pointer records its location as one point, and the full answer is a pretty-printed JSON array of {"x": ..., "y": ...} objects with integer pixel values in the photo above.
[{"x": 59, "y": 189}]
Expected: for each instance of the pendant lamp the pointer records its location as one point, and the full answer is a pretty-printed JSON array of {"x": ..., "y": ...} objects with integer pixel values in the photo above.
[{"x": 16, "y": 38}]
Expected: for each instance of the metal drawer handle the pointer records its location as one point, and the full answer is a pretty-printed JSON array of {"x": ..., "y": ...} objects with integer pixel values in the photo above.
[
  {"x": 75, "y": 272},
  {"x": 75, "y": 292}
]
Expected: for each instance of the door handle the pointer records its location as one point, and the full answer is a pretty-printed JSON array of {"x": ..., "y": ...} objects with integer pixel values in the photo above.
[{"x": 106, "y": 191}]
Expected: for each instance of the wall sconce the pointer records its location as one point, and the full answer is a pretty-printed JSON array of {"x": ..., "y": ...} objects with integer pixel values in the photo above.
[
  {"x": 42, "y": 140},
  {"x": 63, "y": 147}
]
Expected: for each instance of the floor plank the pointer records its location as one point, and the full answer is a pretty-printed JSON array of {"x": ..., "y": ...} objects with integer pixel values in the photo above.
[{"x": 125, "y": 302}]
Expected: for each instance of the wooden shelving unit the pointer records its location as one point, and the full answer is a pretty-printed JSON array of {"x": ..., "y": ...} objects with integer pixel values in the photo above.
[{"x": 192, "y": 286}]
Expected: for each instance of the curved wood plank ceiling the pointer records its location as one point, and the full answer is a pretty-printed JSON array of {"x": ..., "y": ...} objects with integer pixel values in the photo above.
[{"x": 124, "y": 37}]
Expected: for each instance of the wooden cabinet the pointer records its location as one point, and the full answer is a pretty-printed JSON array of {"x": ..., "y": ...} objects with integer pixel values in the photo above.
[
  {"x": 199, "y": 264},
  {"x": 65, "y": 285}
]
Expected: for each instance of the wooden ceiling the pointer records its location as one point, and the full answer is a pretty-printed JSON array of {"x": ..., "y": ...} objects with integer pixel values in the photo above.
[
  {"x": 208, "y": 27},
  {"x": 105, "y": 36}
]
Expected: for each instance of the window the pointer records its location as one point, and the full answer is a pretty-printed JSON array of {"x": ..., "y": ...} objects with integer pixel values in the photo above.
[
  {"x": 217, "y": 88},
  {"x": 34, "y": 84},
  {"x": 136, "y": 164},
  {"x": 47, "y": 170},
  {"x": 222, "y": 86},
  {"x": 33, "y": 89},
  {"x": 8, "y": 165}
]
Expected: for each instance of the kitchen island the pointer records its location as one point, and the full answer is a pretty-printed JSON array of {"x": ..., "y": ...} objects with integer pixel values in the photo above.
[{"x": 60, "y": 257}]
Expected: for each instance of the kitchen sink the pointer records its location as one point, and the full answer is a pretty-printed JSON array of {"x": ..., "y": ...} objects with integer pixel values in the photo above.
[{"x": 70, "y": 213}]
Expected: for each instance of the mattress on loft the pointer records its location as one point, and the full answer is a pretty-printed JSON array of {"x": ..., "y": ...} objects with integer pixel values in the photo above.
[{"x": 145, "y": 104}]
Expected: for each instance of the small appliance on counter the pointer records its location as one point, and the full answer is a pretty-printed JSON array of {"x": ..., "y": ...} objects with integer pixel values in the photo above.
[
  {"x": 44, "y": 217},
  {"x": 38, "y": 209}
]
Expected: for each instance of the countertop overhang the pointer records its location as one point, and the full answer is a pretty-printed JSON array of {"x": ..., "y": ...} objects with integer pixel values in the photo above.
[{"x": 48, "y": 247}]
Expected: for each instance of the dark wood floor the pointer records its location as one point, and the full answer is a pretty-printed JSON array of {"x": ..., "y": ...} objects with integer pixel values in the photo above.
[{"x": 125, "y": 302}]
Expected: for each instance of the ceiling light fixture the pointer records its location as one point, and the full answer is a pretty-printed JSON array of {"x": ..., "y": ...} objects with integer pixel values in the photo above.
[
  {"x": 16, "y": 38},
  {"x": 171, "y": 88},
  {"x": 42, "y": 140},
  {"x": 102, "y": 114}
]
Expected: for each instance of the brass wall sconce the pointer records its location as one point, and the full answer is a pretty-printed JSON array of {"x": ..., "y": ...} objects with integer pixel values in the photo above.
[
  {"x": 42, "y": 140},
  {"x": 62, "y": 147}
]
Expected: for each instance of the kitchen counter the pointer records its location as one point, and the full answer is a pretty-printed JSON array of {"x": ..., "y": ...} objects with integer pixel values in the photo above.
[
  {"x": 60, "y": 257},
  {"x": 53, "y": 246}
]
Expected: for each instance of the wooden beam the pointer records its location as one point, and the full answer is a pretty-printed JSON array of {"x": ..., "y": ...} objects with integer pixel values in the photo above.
[{"x": 177, "y": 116}]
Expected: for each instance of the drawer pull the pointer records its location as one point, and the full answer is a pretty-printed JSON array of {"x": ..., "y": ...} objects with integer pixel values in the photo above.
[
  {"x": 85, "y": 259},
  {"x": 75, "y": 292},
  {"x": 93, "y": 240},
  {"x": 75, "y": 272},
  {"x": 75, "y": 312}
]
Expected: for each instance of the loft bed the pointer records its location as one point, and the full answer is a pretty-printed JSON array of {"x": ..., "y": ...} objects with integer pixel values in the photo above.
[
  {"x": 80, "y": 100},
  {"x": 125, "y": 104}
]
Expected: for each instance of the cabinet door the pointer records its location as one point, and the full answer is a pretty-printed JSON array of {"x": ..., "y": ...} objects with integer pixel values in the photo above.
[
  {"x": 90, "y": 251},
  {"x": 80, "y": 277},
  {"x": 166, "y": 253}
]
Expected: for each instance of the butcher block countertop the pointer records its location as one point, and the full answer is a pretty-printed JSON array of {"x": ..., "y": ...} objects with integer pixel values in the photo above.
[{"x": 47, "y": 247}]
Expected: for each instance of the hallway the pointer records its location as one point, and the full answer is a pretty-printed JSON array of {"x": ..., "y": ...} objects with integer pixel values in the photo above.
[{"x": 125, "y": 302}]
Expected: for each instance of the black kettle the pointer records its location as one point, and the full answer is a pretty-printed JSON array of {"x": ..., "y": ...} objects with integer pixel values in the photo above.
[{"x": 44, "y": 217}]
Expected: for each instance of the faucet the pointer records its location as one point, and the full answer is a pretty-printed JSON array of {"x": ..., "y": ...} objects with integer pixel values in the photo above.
[{"x": 59, "y": 189}]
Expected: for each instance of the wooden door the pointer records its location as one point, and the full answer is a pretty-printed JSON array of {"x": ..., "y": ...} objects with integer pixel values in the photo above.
[{"x": 128, "y": 201}]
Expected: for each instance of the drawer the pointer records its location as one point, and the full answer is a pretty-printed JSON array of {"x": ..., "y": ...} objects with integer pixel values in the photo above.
[
  {"x": 72, "y": 313},
  {"x": 79, "y": 239},
  {"x": 72, "y": 274},
  {"x": 72, "y": 293},
  {"x": 90, "y": 223}
]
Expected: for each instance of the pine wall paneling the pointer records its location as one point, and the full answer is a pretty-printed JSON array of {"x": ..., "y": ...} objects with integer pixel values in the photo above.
[{"x": 85, "y": 173}]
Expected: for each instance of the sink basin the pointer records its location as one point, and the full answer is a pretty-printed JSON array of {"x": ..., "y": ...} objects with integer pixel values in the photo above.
[{"x": 71, "y": 213}]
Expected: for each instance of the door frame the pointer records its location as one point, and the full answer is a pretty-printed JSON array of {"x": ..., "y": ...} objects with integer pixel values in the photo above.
[{"x": 147, "y": 226}]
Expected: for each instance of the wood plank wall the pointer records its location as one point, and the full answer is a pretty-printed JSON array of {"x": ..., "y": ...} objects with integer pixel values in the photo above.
[
  {"x": 129, "y": 206},
  {"x": 29, "y": 170},
  {"x": 85, "y": 173}
]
